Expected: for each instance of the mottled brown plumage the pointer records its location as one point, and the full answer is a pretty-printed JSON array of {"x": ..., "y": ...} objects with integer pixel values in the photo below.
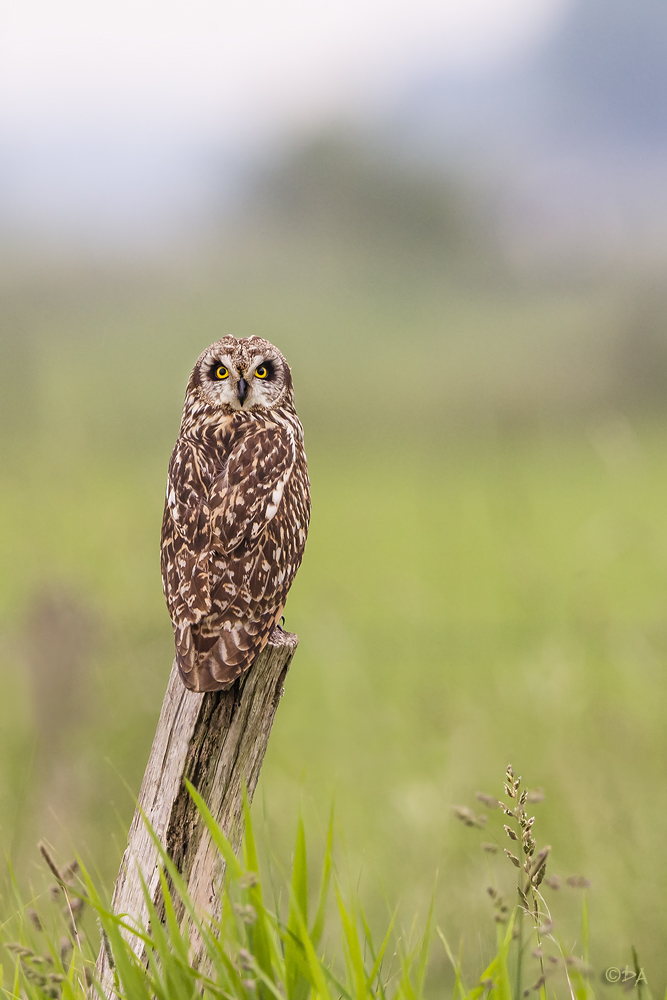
[{"x": 237, "y": 510}]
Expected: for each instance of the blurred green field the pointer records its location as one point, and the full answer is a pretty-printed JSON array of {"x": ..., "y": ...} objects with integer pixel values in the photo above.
[{"x": 485, "y": 582}]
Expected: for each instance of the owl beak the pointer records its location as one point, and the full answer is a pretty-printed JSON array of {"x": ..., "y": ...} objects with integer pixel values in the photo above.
[{"x": 242, "y": 390}]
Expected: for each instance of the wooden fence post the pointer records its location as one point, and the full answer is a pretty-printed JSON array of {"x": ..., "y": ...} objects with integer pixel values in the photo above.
[{"x": 217, "y": 741}]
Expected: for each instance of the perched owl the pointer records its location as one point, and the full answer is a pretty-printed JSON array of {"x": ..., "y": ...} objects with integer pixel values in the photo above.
[{"x": 237, "y": 510}]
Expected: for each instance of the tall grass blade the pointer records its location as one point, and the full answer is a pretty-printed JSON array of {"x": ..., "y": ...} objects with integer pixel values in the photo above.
[
  {"x": 519, "y": 957},
  {"x": 350, "y": 929},
  {"x": 497, "y": 971},
  {"x": 318, "y": 924},
  {"x": 405, "y": 988},
  {"x": 584, "y": 928},
  {"x": 459, "y": 987},
  {"x": 131, "y": 973},
  {"x": 317, "y": 971},
  {"x": 297, "y": 984},
  {"x": 377, "y": 959},
  {"x": 259, "y": 935},
  {"x": 234, "y": 869},
  {"x": 425, "y": 948}
]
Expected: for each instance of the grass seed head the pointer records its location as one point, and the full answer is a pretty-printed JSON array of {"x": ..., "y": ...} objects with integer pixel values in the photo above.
[
  {"x": 490, "y": 801},
  {"x": 107, "y": 946},
  {"x": 76, "y": 905},
  {"x": 528, "y": 844},
  {"x": 511, "y": 783},
  {"x": 34, "y": 919},
  {"x": 537, "y": 879},
  {"x": 489, "y": 848},
  {"x": 248, "y": 880},
  {"x": 19, "y": 949},
  {"x": 66, "y": 950},
  {"x": 468, "y": 817},
  {"x": 46, "y": 854},
  {"x": 574, "y": 962},
  {"x": 69, "y": 871},
  {"x": 33, "y": 976},
  {"x": 540, "y": 859},
  {"x": 248, "y": 914},
  {"x": 246, "y": 961},
  {"x": 578, "y": 882}
]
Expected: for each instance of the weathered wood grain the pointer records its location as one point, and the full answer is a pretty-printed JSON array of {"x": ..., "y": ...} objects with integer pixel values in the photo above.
[{"x": 217, "y": 741}]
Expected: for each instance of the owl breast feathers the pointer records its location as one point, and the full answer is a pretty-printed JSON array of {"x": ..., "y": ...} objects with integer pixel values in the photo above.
[{"x": 237, "y": 510}]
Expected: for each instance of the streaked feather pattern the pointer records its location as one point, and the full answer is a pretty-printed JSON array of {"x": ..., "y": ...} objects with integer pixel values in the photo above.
[{"x": 236, "y": 513}]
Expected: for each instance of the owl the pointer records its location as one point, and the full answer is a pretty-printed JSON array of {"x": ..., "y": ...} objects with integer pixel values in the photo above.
[{"x": 236, "y": 512}]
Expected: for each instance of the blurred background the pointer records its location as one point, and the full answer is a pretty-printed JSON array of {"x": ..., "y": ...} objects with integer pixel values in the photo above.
[{"x": 452, "y": 218}]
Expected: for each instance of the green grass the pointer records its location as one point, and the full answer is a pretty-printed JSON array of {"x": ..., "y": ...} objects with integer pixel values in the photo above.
[
  {"x": 472, "y": 594},
  {"x": 300, "y": 945}
]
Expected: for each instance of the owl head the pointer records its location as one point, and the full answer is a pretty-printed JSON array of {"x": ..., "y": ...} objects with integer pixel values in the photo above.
[{"x": 247, "y": 373}]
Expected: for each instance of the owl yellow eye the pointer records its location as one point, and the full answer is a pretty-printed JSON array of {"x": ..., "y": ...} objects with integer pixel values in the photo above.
[
  {"x": 221, "y": 372},
  {"x": 261, "y": 372}
]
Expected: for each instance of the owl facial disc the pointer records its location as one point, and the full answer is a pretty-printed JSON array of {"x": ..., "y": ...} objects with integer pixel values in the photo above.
[{"x": 247, "y": 374}]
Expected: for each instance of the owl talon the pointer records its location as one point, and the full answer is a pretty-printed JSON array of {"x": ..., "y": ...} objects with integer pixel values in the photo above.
[{"x": 278, "y": 631}]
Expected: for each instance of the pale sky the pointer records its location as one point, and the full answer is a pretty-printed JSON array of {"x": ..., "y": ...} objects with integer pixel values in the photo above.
[{"x": 239, "y": 67}]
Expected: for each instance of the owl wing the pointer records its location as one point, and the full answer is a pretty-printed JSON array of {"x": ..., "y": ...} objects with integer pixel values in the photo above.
[
  {"x": 186, "y": 537},
  {"x": 231, "y": 520},
  {"x": 247, "y": 495},
  {"x": 249, "y": 584}
]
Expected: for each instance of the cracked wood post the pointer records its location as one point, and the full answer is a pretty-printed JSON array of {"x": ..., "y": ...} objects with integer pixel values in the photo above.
[{"x": 218, "y": 741}]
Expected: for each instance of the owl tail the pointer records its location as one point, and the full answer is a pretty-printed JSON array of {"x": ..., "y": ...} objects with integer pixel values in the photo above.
[{"x": 212, "y": 663}]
